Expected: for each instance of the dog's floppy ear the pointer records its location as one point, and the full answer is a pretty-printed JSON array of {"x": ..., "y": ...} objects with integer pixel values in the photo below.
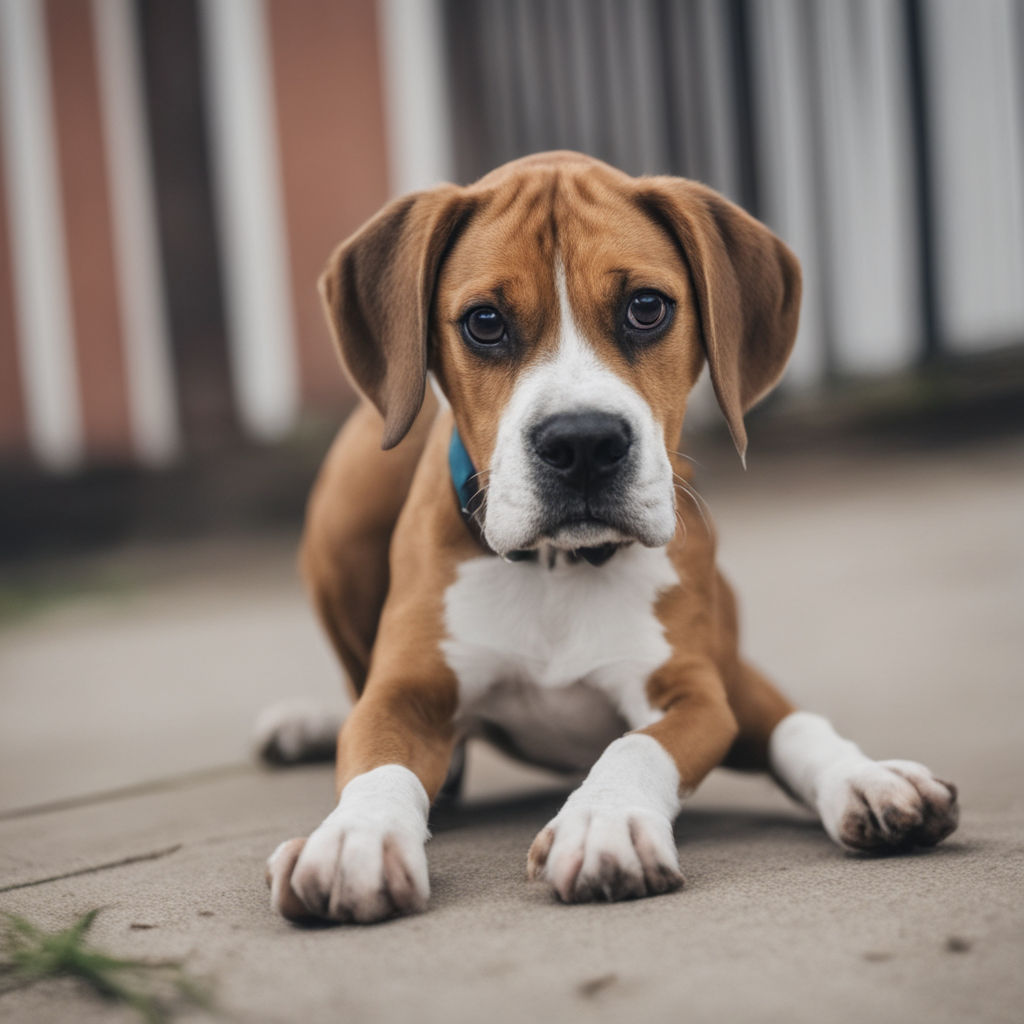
[
  {"x": 747, "y": 289},
  {"x": 377, "y": 291}
]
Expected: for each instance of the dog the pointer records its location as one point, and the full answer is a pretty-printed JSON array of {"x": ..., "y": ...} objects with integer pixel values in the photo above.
[{"x": 516, "y": 551}]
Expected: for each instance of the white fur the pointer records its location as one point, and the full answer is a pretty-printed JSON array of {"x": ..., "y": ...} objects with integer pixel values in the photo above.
[
  {"x": 439, "y": 394},
  {"x": 366, "y": 860},
  {"x": 574, "y": 379},
  {"x": 297, "y": 729},
  {"x": 560, "y": 656},
  {"x": 863, "y": 804},
  {"x": 613, "y": 837}
]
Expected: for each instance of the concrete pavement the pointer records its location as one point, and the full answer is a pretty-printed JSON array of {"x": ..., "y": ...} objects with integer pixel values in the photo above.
[{"x": 886, "y": 592}]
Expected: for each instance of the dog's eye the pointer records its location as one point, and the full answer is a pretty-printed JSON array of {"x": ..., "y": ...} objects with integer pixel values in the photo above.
[
  {"x": 484, "y": 325},
  {"x": 646, "y": 310}
]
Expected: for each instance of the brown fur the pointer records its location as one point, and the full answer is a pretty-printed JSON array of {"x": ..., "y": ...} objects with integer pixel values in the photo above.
[{"x": 384, "y": 535}]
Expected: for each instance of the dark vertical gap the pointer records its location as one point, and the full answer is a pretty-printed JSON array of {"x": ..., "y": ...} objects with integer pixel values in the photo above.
[
  {"x": 612, "y": 64},
  {"x": 467, "y": 103},
  {"x": 539, "y": 33},
  {"x": 674, "y": 29},
  {"x": 670, "y": 64},
  {"x": 577, "y": 62},
  {"x": 932, "y": 340},
  {"x": 613, "y": 67},
  {"x": 175, "y": 97},
  {"x": 697, "y": 103},
  {"x": 498, "y": 66},
  {"x": 810, "y": 43},
  {"x": 598, "y": 79},
  {"x": 556, "y": 56},
  {"x": 630, "y": 111},
  {"x": 571, "y": 121},
  {"x": 738, "y": 20},
  {"x": 525, "y": 80},
  {"x": 517, "y": 81}
]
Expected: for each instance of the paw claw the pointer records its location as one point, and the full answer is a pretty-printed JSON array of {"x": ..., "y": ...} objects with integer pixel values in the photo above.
[
  {"x": 589, "y": 854},
  {"x": 538, "y": 855},
  {"x": 280, "y": 865},
  {"x": 888, "y": 806}
]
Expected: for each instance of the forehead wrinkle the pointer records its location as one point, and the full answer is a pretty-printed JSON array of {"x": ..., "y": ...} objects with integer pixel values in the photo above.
[
  {"x": 516, "y": 211},
  {"x": 501, "y": 202},
  {"x": 501, "y": 245}
]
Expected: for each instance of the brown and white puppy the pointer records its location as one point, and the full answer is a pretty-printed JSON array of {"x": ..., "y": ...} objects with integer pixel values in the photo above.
[{"x": 574, "y": 615}]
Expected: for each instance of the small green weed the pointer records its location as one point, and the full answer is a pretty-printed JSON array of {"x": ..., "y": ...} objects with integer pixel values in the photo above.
[{"x": 150, "y": 987}]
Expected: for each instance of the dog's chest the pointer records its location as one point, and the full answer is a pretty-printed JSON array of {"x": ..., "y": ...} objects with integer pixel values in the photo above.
[{"x": 559, "y": 653}]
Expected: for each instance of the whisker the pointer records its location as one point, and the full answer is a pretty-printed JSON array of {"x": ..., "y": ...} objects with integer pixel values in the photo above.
[
  {"x": 476, "y": 494},
  {"x": 479, "y": 473},
  {"x": 481, "y": 492},
  {"x": 683, "y": 482},
  {"x": 683, "y": 455},
  {"x": 682, "y": 523},
  {"x": 698, "y": 502}
]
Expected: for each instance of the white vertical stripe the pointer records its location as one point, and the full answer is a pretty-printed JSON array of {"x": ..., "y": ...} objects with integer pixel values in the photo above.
[
  {"x": 253, "y": 236},
  {"x": 39, "y": 260},
  {"x": 977, "y": 118},
  {"x": 144, "y": 325},
  {"x": 415, "y": 92},
  {"x": 867, "y": 160}
]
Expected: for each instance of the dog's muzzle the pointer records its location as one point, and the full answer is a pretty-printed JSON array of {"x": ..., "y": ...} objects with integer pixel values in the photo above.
[{"x": 583, "y": 465}]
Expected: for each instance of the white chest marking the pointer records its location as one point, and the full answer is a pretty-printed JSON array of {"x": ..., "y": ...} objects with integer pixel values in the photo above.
[{"x": 525, "y": 641}]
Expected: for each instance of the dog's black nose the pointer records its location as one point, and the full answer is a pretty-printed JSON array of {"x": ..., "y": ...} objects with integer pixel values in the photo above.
[{"x": 583, "y": 448}]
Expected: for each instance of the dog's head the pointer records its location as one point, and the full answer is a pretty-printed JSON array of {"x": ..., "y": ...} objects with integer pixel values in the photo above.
[{"x": 566, "y": 310}]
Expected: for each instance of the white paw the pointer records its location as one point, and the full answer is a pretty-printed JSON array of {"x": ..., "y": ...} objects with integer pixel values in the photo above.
[
  {"x": 296, "y": 731},
  {"x": 365, "y": 862},
  {"x": 589, "y": 852},
  {"x": 886, "y": 805}
]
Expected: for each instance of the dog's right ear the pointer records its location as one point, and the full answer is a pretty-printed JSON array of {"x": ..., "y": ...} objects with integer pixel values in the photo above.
[
  {"x": 747, "y": 289},
  {"x": 377, "y": 290}
]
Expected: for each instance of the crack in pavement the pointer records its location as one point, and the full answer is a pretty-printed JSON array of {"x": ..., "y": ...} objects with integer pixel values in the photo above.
[
  {"x": 198, "y": 777},
  {"x": 123, "y": 862}
]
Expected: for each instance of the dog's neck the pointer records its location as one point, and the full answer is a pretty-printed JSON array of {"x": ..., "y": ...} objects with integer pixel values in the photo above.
[{"x": 470, "y": 494}]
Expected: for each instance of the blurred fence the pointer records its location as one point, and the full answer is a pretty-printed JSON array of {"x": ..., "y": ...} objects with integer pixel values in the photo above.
[
  {"x": 174, "y": 173},
  {"x": 883, "y": 139},
  {"x": 173, "y": 176}
]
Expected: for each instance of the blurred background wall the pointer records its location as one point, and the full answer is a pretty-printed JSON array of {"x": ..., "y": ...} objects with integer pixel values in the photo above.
[{"x": 173, "y": 174}]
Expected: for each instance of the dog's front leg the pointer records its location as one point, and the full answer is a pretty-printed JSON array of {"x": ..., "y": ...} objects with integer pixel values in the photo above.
[
  {"x": 865, "y": 805},
  {"x": 366, "y": 861},
  {"x": 613, "y": 838}
]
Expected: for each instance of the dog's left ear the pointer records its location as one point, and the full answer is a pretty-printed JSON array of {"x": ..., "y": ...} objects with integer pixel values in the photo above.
[
  {"x": 377, "y": 290},
  {"x": 747, "y": 289}
]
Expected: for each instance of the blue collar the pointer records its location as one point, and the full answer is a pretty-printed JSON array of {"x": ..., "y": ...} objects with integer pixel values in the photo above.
[
  {"x": 470, "y": 493},
  {"x": 463, "y": 472}
]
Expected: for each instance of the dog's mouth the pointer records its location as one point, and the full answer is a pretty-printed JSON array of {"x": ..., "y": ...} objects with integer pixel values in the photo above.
[
  {"x": 570, "y": 530},
  {"x": 588, "y": 539},
  {"x": 585, "y": 532}
]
